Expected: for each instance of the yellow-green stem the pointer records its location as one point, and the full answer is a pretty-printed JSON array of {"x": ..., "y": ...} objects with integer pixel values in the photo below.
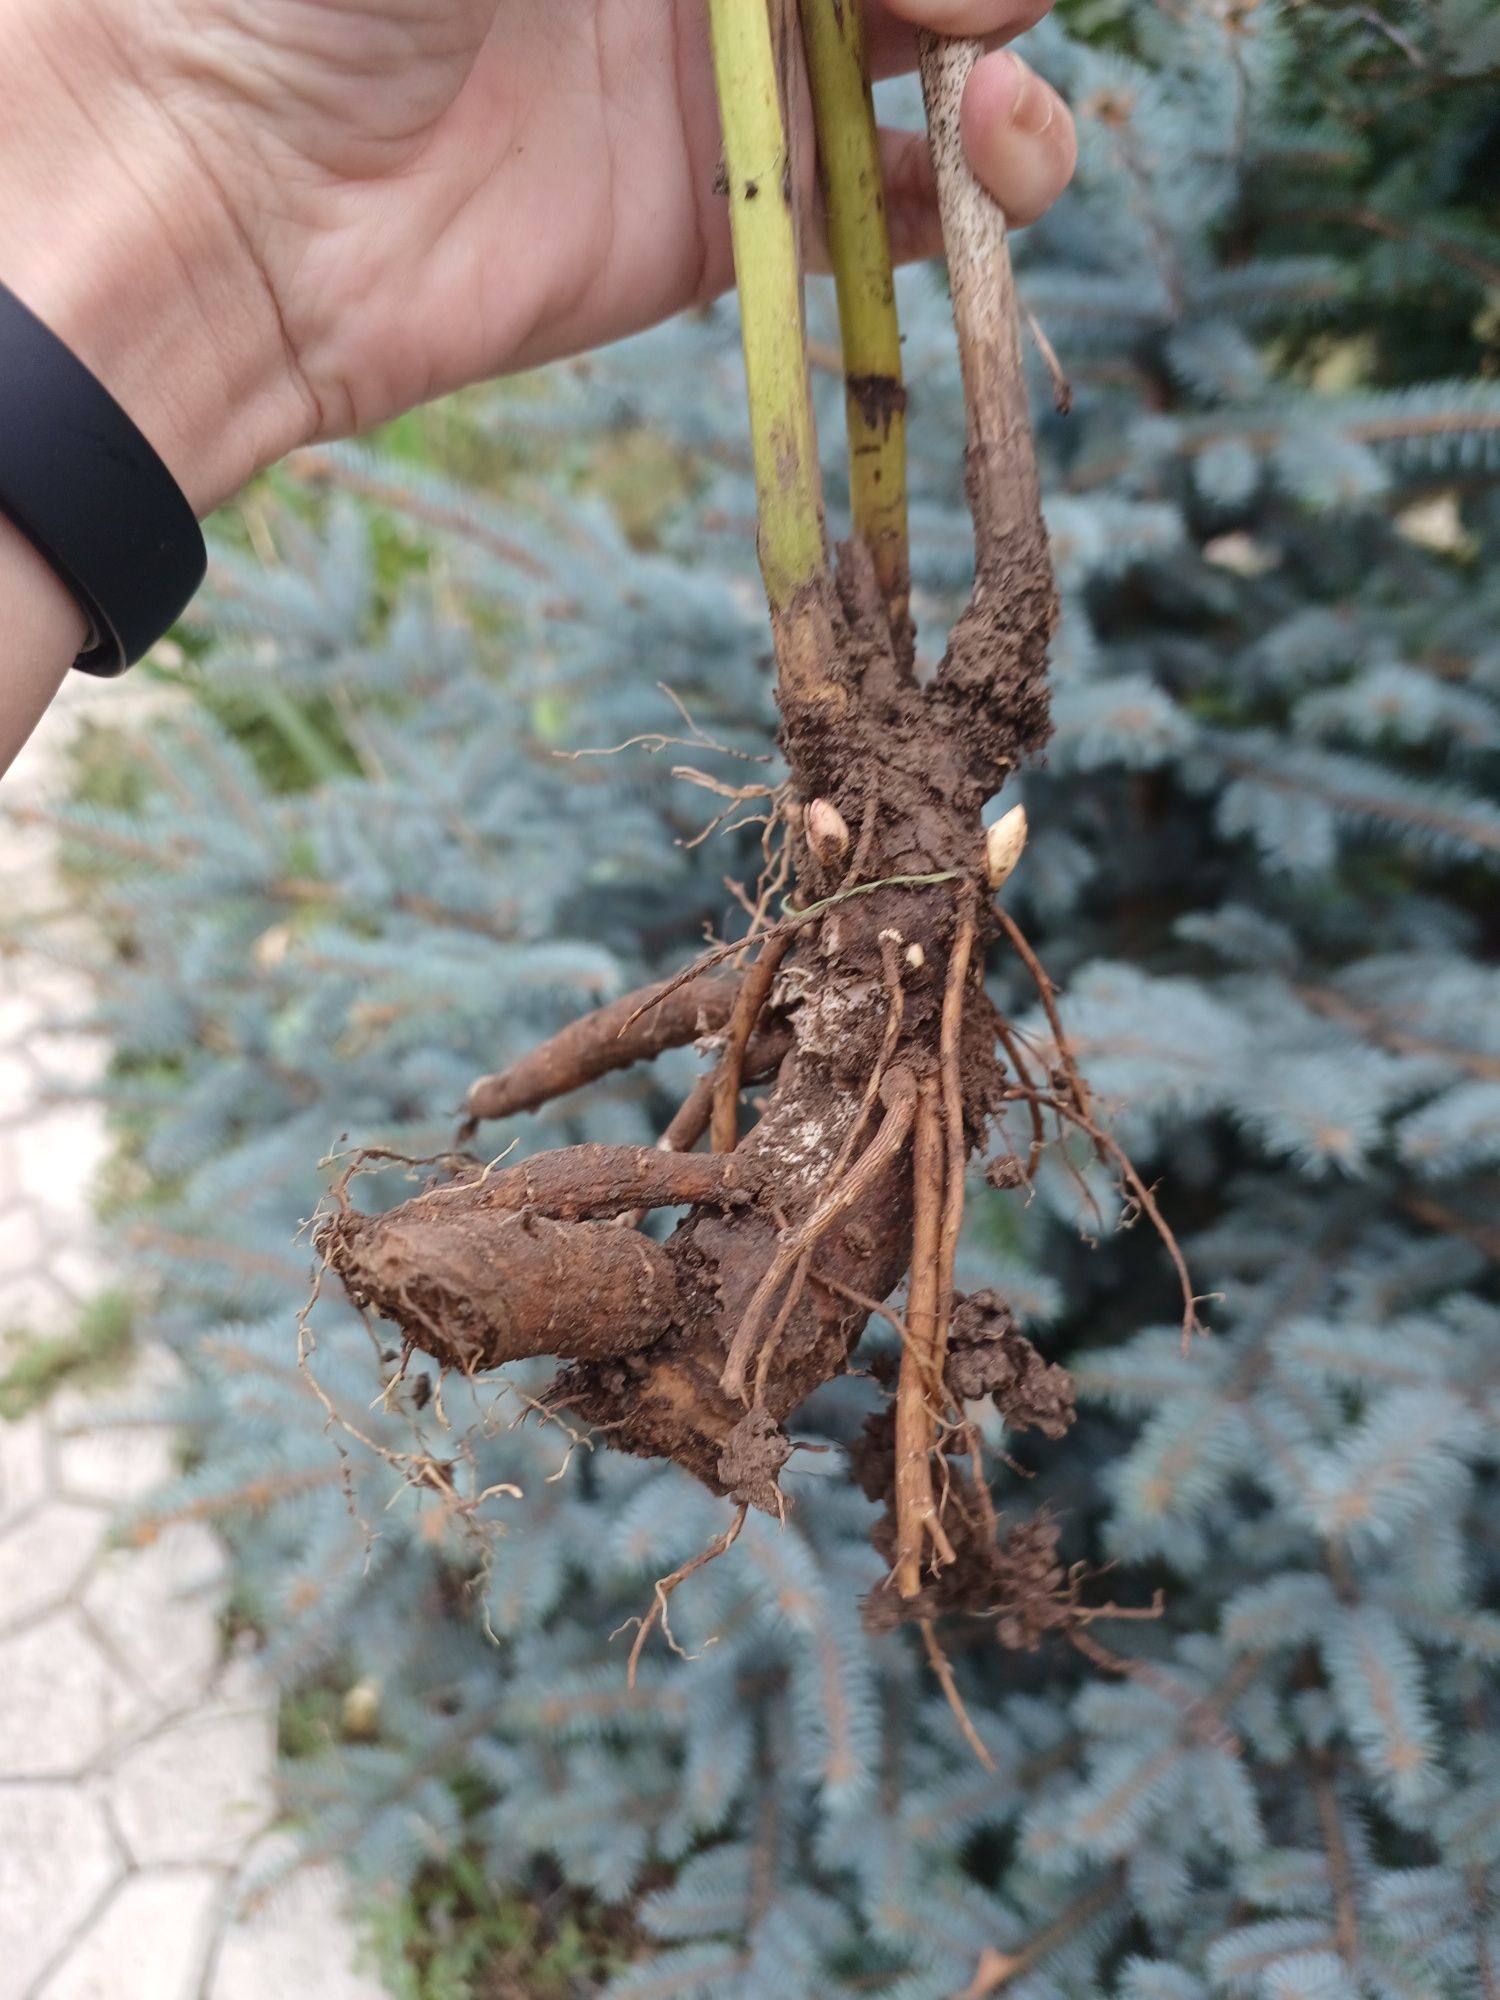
[
  {"x": 793, "y": 548},
  {"x": 859, "y": 249}
]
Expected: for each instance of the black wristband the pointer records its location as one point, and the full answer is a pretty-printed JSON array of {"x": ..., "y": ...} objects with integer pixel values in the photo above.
[{"x": 88, "y": 491}]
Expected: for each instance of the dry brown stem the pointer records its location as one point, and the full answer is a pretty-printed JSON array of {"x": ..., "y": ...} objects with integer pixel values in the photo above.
[
  {"x": 690, "y": 1120},
  {"x": 892, "y": 1318},
  {"x": 1013, "y": 580},
  {"x": 749, "y": 1004}
]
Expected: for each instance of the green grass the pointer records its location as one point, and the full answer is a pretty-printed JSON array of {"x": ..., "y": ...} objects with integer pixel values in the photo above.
[
  {"x": 455, "y": 1936},
  {"x": 38, "y": 1364}
]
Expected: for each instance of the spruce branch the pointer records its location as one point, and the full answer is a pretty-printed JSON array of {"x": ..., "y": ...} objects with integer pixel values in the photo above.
[{"x": 999, "y": 1969}]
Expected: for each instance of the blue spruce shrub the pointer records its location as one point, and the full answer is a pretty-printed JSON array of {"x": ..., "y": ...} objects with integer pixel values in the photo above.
[{"x": 1264, "y": 870}]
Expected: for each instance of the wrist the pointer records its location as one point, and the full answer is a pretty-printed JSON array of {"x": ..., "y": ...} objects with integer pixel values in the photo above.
[
  {"x": 44, "y": 630},
  {"x": 115, "y": 236}
]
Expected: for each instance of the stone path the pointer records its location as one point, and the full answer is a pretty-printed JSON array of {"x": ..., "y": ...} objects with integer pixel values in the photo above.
[{"x": 136, "y": 1759}]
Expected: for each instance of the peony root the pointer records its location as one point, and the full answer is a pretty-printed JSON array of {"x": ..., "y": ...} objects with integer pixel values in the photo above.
[{"x": 866, "y": 1000}]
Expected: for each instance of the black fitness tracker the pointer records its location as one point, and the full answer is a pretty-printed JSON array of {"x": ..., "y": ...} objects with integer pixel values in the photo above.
[{"x": 92, "y": 496}]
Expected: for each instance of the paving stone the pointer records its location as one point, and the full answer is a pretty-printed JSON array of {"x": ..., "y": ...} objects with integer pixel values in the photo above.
[
  {"x": 159, "y": 1607},
  {"x": 80, "y": 1682},
  {"x": 79, "y": 1269},
  {"x": 56, "y": 993},
  {"x": 200, "y": 1790},
  {"x": 18, "y": 1085},
  {"x": 242, "y": 1683},
  {"x": 36, "y": 1303},
  {"x": 150, "y": 1942},
  {"x": 146, "y": 1375},
  {"x": 43, "y": 1557},
  {"x": 56, "y": 1861},
  {"x": 64, "y": 1059},
  {"x": 26, "y": 889},
  {"x": 297, "y": 1946},
  {"x": 17, "y": 1012},
  {"x": 60, "y": 1159},
  {"x": 114, "y": 1465},
  {"x": 22, "y": 1243},
  {"x": 23, "y": 1467},
  {"x": 62, "y": 1701}
]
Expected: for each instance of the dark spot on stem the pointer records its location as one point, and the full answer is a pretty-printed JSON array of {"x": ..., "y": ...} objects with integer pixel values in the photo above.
[{"x": 880, "y": 397}]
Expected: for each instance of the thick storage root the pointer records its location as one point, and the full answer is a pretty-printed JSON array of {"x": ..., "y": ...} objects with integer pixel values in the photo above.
[{"x": 476, "y": 1291}]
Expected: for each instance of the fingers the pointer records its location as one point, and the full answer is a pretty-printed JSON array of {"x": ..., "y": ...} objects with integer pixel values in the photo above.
[
  {"x": 1017, "y": 131},
  {"x": 891, "y": 25},
  {"x": 1019, "y": 137},
  {"x": 910, "y": 196},
  {"x": 970, "y": 17}
]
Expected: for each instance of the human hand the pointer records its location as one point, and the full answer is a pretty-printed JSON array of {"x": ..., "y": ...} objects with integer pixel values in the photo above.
[{"x": 265, "y": 222}]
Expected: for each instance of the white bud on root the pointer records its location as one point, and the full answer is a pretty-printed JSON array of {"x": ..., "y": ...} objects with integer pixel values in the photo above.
[
  {"x": 1004, "y": 844},
  {"x": 827, "y": 831}
]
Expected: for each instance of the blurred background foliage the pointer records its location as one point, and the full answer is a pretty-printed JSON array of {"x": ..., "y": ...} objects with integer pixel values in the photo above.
[{"x": 343, "y": 867}]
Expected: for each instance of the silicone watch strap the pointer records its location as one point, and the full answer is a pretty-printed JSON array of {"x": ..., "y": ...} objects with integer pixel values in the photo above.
[{"x": 87, "y": 489}]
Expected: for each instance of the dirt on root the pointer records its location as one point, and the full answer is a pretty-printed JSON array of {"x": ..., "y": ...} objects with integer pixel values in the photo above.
[
  {"x": 910, "y": 788},
  {"x": 1010, "y": 1574},
  {"x": 988, "y": 1355},
  {"x": 534, "y": 1260}
]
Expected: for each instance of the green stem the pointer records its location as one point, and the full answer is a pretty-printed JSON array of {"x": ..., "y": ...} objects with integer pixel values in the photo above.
[
  {"x": 793, "y": 549},
  {"x": 859, "y": 249}
]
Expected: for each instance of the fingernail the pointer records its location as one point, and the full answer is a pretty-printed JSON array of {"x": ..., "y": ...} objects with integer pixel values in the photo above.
[{"x": 1034, "y": 105}]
